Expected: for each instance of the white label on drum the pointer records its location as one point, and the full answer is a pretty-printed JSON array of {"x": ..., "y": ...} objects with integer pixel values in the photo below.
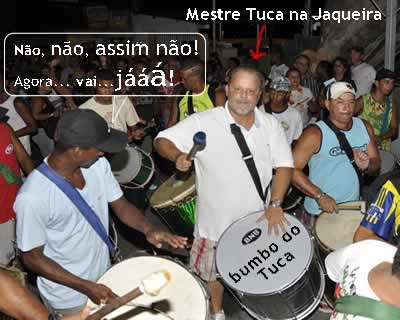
[{"x": 253, "y": 262}]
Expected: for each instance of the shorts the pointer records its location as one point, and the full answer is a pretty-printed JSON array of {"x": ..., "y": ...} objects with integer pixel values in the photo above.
[{"x": 202, "y": 259}]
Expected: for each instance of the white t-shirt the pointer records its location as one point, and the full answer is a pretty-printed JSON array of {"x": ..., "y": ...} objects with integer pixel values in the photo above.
[
  {"x": 278, "y": 71},
  {"x": 46, "y": 217},
  {"x": 349, "y": 267},
  {"x": 363, "y": 76},
  {"x": 291, "y": 122},
  {"x": 120, "y": 114},
  {"x": 16, "y": 122},
  {"x": 299, "y": 99},
  {"x": 225, "y": 189}
]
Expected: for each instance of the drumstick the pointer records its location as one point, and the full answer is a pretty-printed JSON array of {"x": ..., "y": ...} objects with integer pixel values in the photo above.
[
  {"x": 199, "y": 142},
  {"x": 349, "y": 207},
  {"x": 151, "y": 286},
  {"x": 149, "y": 308}
]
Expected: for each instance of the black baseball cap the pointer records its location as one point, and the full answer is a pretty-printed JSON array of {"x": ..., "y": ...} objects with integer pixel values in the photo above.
[
  {"x": 385, "y": 74},
  {"x": 85, "y": 128}
]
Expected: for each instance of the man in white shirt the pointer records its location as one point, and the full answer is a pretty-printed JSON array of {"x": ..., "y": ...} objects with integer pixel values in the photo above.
[
  {"x": 362, "y": 73},
  {"x": 225, "y": 189},
  {"x": 289, "y": 118},
  {"x": 118, "y": 111},
  {"x": 370, "y": 269},
  {"x": 56, "y": 241}
]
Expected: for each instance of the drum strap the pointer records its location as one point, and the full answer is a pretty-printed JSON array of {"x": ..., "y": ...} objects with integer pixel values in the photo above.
[
  {"x": 345, "y": 146},
  {"x": 366, "y": 307},
  {"x": 248, "y": 159},
  {"x": 88, "y": 213},
  {"x": 386, "y": 124},
  {"x": 190, "y": 103}
]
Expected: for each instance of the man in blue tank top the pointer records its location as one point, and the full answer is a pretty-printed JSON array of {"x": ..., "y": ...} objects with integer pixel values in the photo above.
[{"x": 332, "y": 177}]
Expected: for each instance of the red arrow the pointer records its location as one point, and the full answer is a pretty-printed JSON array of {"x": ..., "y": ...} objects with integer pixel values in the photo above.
[{"x": 257, "y": 55}]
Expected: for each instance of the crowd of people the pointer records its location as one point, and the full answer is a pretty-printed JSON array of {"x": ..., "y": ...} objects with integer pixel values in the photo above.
[{"x": 318, "y": 131}]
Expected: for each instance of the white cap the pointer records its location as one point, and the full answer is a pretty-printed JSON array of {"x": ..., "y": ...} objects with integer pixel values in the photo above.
[{"x": 339, "y": 88}]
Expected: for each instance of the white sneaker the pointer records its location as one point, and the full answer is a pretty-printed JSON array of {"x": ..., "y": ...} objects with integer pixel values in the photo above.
[{"x": 218, "y": 316}]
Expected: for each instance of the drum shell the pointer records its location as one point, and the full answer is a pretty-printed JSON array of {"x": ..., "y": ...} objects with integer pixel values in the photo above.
[
  {"x": 175, "y": 219},
  {"x": 330, "y": 286},
  {"x": 133, "y": 168},
  {"x": 175, "y": 202},
  {"x": 297, "y": 301},
  {"x": 343, "y": 231}
]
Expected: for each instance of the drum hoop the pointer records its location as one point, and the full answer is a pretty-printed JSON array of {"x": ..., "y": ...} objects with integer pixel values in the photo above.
[
  {"x": 166, "y": 204},
  {"x": 177, "y": 199},
  {"x": 198, "y": 280},
  {"x": 310, "y": 258},
  {"x": 320, "y": 243},
  {"x": 196, "y": 277}
]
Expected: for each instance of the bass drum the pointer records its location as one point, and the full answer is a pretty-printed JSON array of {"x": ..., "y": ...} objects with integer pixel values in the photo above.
[
  {"x": 335, "y": 231},
  {"x": 184, "y": 298},
  {"x": 272, "y": 277}
]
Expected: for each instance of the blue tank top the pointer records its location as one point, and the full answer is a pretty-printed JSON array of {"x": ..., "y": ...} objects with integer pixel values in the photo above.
[{"x": 330, "y": 168}]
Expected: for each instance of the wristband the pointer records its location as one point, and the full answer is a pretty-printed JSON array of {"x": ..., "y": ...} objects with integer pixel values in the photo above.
[
  {"x": 276, "y": 204},
  {"x": 319, "y": 196}
]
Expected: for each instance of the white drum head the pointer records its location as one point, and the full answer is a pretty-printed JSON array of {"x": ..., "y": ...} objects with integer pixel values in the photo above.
[
  {"x": 246, "y": 248},
  {"x": 336, "y": 231},
  {"x": 126, "y": 164},
  {"x": 388, "y": 162},
  {"x": 183, "y": 298}
]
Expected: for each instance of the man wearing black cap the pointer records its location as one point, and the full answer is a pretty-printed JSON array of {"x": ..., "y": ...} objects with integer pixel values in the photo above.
[
  {"x": 379, "y": 108},
  {"x": 56, "y": 241},
  {"x": 13, "y": 156}
]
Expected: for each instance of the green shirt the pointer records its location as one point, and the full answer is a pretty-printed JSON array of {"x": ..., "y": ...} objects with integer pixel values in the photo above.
[
  {"x": 200, "y": 103},
  {"x": 374, "y": 112}
]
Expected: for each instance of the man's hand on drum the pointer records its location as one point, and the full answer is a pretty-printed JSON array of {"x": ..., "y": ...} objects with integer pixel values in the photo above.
[
  {"x": 327, "y": 204},
  {"x": 276, "y": 219},
  {"x": 361, "y": 159},
  {"x": 182, "y": 164},
  {"x": 99, "y": 293},
  {"x": 157, "y": 237}
]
